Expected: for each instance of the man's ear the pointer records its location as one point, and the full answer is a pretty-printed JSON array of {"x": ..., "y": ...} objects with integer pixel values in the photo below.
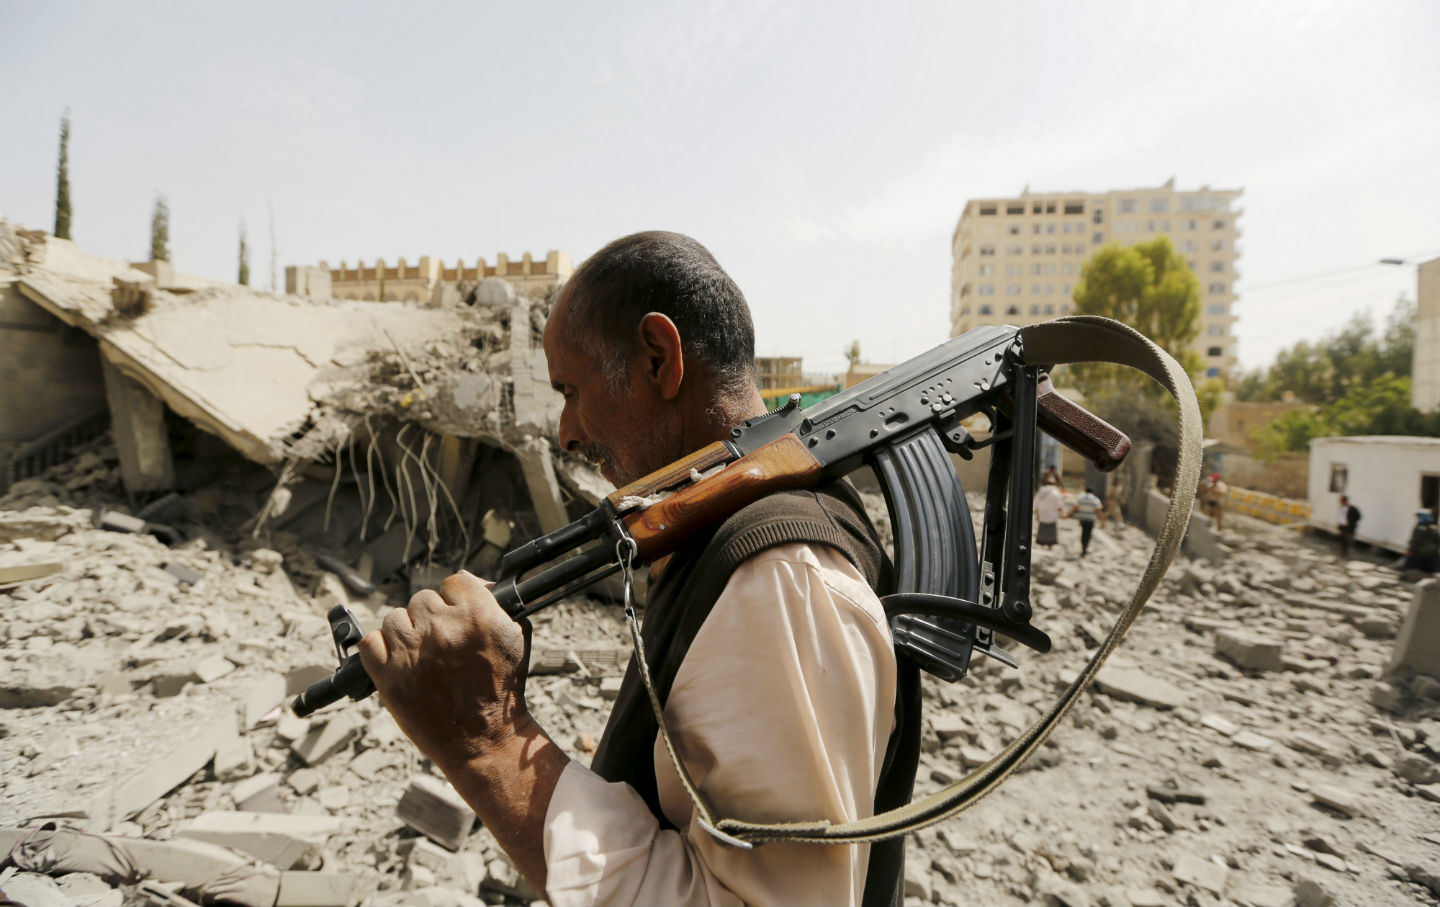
[{"x": 661, "y": 354}]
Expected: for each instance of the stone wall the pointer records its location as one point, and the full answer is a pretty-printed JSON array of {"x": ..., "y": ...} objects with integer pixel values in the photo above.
[{"x": 49, "y": 373}]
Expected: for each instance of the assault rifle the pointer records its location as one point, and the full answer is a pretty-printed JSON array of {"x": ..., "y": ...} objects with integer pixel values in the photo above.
[{"x": 947, "y": 600}]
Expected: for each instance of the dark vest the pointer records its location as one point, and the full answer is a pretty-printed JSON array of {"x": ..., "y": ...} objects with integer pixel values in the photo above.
[{"x": 678, "y": 604}]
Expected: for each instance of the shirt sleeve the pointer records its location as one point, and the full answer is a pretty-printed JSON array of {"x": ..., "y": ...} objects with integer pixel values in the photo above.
[{"x": 781, "y": 711}]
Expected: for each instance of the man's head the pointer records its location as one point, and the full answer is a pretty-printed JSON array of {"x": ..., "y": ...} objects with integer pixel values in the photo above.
[
  {"x": 652, "y": 345},
  {"x": 1344, "y": 501}
]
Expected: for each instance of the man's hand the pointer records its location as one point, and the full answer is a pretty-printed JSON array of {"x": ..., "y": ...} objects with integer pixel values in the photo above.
[{"x": 451, "y": 668}]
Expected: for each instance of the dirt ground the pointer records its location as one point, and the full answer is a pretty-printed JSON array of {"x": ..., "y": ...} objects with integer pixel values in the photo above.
[{"x": 1244, "y": 747}]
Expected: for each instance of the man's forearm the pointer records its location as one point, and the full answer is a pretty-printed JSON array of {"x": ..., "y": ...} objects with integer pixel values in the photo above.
[{"x": 509, "y": 785}]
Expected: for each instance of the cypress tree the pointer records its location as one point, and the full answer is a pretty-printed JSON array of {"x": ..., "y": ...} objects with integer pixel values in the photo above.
[
  {"x": 160, "y": 230},
  {"x": 244, "y": 279},
  {"x": 62, "y": 182}
]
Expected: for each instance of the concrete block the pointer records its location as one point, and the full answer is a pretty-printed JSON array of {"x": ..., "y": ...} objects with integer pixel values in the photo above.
[
  {"x": 323, "y": 740},
  {"x": 1417, "y": 645},
  {"x": 431, "y": 807},
  {"x": 290, "y": 728},
  {"x": 1202, "y": 873},
  {"x": 336, "y": 796},
  {"x": 213, "y": 668},
  {"x": 303, "y": 780},
  {"x": 233, "y": 759},
  {"x": 190, "y": 753},
  {"x": 285, "y": 841},
  {"x": 263, "y": 696},
  {"x": 371, "y": 762},
  {"x": 297, "y": 680},
  {"x": 259, "y": 794},
  {"x": 1139, "y": 686},
  {"x": 1251, "y": 651},
  {"x": 319, "y": 889}
]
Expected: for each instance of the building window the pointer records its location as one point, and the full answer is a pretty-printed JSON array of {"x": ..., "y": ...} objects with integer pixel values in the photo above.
[
  {"x": 1012, "y": 310},
  {"x": 1074, "y": 207},
  {"x": 1049, "y": 289},
  {"x": 1096, "y": 238},
  {"x": 1050, "y": 228},
  {"x": 1159, "y": 205},
  {"x": 1212, "y": 372},
  {"x": 1049, "y": 308},
  {"x": 1190, "y": 263},
  {"x": 1066, "y": 227},
  {"x": 1189, "y": 245},
  {"x": 987, "y": 270},
  {"x": 1013, "y": 289},
  {"x": 1065, "y": 290},
  {"x": 1080, "y": 247},
  {"x": 1217, "y": 289},
  {"x": 1014, "y": 250},
  {"x": 1014, "y": 270},
  {"x": 1035, "y": 249},
  {"x": 1214, "y": 351},
  {"x": 1035, "y": 269},
  {"x": 1218, "y": 224},
  {"x": 1217, "y": 308},
  {"x": 1217, "y": 245},
  {"x": 1192, "y": 225},
  {"x": 1050, "y": 249},
  {"x": 1035, "y": 308},
  {"x": 1065, "y": 268},
  {"x": 987, "y": 289},
  {"x": 988, "y": 210},
  {"x": 1034, "y": 289},
  {"x": 987, "y": 250},
  {"x": 965, "y": 310},
  {"x": 1065, "y": 249},
  {"x": 1190, "y": 203},
  {"x": 1035, "y": 228},
  {"x": 1013, "y": 229},
  {"x": 987, "y": 310},
  {"x": 1339, "y": 478},
  {"x": 1013, "y": 208},
  {"x": 1037, "y": 208},
  {"x": 1098, "y": 215},
  {"x": 1127, "y": 206},
  {"x": 1215, "y": 330},
  {"x": 1217, "y": 267}
]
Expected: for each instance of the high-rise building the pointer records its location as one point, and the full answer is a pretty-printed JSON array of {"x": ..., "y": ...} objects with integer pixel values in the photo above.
[{"x": 1017, "y": 260}]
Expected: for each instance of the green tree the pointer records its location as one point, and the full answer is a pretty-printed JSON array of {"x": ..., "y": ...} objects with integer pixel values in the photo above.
[
  {"x": 62, "y": 182},
  {"x": 852, "y": 353},
  {"x": 244, "y": 278},
  {"x": 160, "y": 230},
  {"x": 1149, "y": 287}
]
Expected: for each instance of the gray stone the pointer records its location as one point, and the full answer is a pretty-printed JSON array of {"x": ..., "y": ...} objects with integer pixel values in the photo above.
[
  {"x": 1416, "y": 769},
  {"x": 324, "y": 740},
  {"x": 286, "y": 841},
  {"x": 1310, "y": 893},
  {"x": 1139, "y": 686},
  {"x": 1336, "y": 798},
  {"x": 1251, "y": 651},
  {"x": 431, "y": 807},
  {"x": 1202, "y": 873},
  {"x": 1417, "y": 645}
]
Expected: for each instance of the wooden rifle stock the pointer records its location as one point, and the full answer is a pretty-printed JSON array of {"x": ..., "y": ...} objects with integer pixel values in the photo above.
[{"x": 664, "y": 526}]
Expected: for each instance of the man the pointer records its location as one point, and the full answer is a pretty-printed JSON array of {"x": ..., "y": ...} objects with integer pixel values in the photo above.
[
  {"x": 1346, "y": 520},
  {"x": 1213, "y": 492},
  {"x": 770, "y": 651},
  {"x": 1087, "y": 509}
]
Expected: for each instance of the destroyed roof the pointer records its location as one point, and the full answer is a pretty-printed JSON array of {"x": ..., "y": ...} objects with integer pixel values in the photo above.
[{"x": 279, "y": 377}]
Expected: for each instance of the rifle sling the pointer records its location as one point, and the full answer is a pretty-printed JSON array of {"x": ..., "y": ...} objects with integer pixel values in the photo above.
[{"x": 1080, "y": 338}]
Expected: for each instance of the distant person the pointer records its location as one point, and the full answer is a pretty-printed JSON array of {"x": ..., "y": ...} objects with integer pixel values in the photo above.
[
  {"x": 1213, "y": 492},
  {"x": 1051, "y": 476},
  {"x": 1049, "y": 502},
  {"x": 1346, "y": 520},
  {"x": 1423, "y": 554},
  {"x": 1087, "y": 509}
]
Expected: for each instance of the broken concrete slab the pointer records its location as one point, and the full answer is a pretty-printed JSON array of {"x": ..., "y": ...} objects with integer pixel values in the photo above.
[
  {"x": 286, "y": 841},
  {"x": 1202, "y": 873},
  {"x": 23, "y": 573},
  {"x": 299, "y": 888},
  {"x": 1139, "y": 686},
  {"x": 259, "y": 794},
  {"x": 1251, "y": 650},
  {"x": 433, "y": 808},
  {"x": 324, "y": 739},
  {"x": 1417, "y": 645},
  {"x": 137, "y": 421}
]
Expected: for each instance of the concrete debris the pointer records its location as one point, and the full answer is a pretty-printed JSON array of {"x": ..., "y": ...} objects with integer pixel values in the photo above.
[
  {"x": 431, "y": 807},
  {"x": 1187, "y": 776}
]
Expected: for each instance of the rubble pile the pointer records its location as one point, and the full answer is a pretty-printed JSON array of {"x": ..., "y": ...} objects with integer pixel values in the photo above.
[{"x": 1246, "y": 744}]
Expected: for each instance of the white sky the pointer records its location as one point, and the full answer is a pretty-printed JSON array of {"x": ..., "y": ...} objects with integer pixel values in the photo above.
[{"x": 823, "y": 151}]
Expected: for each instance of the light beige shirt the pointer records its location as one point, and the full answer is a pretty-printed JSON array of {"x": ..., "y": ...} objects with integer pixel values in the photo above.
[{"x": 781, "y": 710}]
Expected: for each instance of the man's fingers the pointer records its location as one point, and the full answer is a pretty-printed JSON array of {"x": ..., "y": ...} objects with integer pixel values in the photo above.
[
  {"x": 464, "y": 587},
  {"x": 374, "y": 653},
  {"x": 422, "y": 607}
]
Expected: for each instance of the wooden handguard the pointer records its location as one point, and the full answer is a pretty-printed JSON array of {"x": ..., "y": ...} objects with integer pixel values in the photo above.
[
  {"x": 1080, "y": 430},
  {"x": 673, "y": 474},
  {"x": 663, "y": 527}
]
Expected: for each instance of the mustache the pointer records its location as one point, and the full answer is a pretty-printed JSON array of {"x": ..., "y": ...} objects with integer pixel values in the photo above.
[{"x": 597, "y": 454}]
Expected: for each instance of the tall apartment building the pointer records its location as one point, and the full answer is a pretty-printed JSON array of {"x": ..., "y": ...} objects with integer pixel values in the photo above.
[{"x": 1017, "y": 260}]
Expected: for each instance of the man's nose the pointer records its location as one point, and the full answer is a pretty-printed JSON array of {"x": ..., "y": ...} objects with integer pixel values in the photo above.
[{"x": 571, "y": 438}]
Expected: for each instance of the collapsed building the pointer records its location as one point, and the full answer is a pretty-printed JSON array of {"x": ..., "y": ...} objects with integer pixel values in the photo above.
[{"x": 404, "y": 440}]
